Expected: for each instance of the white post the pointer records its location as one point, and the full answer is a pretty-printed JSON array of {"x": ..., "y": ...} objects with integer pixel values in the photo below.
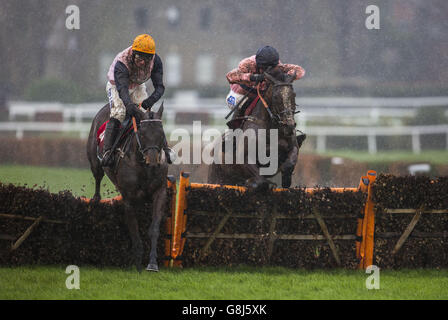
[
  {"x": 446, "y": 146},
  {"x": 375, "y": 114},
  {"x": 78, "y": 115},
  {"x": 321, "y": 142},
  {"x": 416, "y": 142},
  {"x": 19, "y": 133},
  {"x": 371, "y": 142},
  {"x": 301, "y": 123}
]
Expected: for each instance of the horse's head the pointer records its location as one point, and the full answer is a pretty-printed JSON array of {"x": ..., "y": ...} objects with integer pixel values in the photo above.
[
  {"x": 283, "y": 103},
  {"x": 151, "y": 137}
]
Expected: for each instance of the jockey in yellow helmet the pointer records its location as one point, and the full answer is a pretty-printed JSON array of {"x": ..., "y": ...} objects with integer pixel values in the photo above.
[{"x": 126, "y": 87}]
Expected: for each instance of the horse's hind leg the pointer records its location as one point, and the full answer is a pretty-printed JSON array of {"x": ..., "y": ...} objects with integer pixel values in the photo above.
[{"x": 159, "y": 199}]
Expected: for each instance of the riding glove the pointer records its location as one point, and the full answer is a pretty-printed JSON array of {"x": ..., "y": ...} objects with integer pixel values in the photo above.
[
  {"x": 147, "y": 103},
  {"x": 133, "y": 110},
  {"x": 257, "y": 78}
]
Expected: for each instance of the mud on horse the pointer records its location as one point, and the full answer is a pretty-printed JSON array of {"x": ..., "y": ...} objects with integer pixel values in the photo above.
[
  {"x": 140, "y": 176},
  {"x": 273, "y": 111}
]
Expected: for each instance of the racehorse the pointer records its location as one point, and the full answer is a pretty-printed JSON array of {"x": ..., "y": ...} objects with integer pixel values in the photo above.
[
  {"x": 139, "y": 174},
  {"x": 273, "y": 111}
]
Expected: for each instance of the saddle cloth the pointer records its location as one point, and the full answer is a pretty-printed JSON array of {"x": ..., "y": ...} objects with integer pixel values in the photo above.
[
  {"x": 251, "y": 106},
  {"x": 238, "y": 122},
  {"x": 101, "y": 131}
]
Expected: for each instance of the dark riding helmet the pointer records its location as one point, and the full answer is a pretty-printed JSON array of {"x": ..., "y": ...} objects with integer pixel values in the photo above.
[{"x": 267, "y": 57}]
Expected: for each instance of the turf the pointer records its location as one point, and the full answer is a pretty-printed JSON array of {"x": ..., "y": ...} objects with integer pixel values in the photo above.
[
  {"x": 430, "y": 156},
  {"x": 240, "y": 283},
  {"x": 79, "y": 181}
]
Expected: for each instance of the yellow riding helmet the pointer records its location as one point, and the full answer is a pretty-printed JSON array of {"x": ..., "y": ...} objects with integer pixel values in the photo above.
[{"x": 144, "y": 43}]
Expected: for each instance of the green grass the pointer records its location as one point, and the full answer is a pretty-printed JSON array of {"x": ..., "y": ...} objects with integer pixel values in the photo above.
[
  {"x": 432, "y": 156},
  {"x": 79, "y": 181},
  {"x": 242, "y": 283}
]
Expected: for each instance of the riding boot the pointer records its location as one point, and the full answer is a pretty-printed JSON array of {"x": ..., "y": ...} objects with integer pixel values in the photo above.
[
  {"x": 237, "y": 114},
  {"x": 242, "y": 109},
  {"x": 300, "y": 138},
  {"x": 110, "y": 134}
]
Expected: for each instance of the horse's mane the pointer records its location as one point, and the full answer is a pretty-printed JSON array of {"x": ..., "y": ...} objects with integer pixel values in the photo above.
[{"x": 278, "y": 74}]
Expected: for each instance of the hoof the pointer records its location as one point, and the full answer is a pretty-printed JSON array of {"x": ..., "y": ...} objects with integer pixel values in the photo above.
[
  {"x": 286, "y": 182},
  {"x": 252, "y": 186},
  {"x": 262, "y": 186},
  {"x": 152, "y": 267}
]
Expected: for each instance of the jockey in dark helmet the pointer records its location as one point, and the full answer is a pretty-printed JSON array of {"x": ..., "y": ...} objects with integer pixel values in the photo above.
[
  {"x": 126, "y": 88},
  {"x": 244, "y": 79},
  {"x": 266, "y": 57}
]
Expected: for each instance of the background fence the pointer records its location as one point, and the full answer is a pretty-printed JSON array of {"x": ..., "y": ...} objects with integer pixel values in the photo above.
[{"x": 321, "y": 118}]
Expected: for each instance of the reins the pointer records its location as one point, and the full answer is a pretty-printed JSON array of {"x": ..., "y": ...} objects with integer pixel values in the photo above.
[
  {"x": 134, "y": 124},
  {"x": 264, "y": 101}
]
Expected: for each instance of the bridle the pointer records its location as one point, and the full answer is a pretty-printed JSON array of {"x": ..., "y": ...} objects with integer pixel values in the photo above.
[
  {"x": 140, "y": 148},
  {"x": 275, "y": 117}
]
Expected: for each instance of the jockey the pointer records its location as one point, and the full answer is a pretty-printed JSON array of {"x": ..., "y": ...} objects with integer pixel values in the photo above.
[
  {"x": 244, "y": 79},
  {"x": 126, "y": 88}
]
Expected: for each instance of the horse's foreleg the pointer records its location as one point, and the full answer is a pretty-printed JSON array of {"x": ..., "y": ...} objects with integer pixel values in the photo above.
[
  {"x": 288, "y": 166},
  {"x": 98, "y": 173},
  {"x": 137, "y": 245},
  {"x": 257, "y": 181},
  {"x": 159, "y": 199}
]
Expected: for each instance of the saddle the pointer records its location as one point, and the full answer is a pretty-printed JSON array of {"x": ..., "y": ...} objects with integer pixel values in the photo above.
[
  {"x": 238, "y": 121},
  {"x": 120, "y": 142}
]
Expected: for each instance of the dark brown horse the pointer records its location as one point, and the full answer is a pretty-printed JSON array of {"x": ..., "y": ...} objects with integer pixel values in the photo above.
[
  {"x": 277, "y": 113},
  {"x": 140, "y": 176}
]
